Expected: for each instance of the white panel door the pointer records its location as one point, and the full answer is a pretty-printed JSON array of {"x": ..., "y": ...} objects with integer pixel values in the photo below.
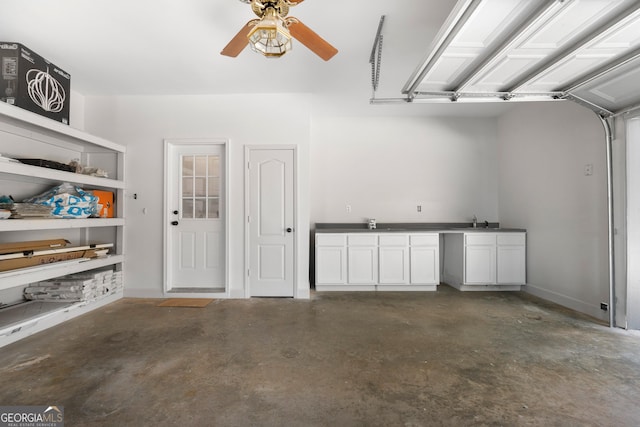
[
  {"x": 196, "y": 225},
  {"x": 271, "y": 221}
]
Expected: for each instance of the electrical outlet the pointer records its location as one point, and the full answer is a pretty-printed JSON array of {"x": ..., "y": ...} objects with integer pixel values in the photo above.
[
  {"x": 604, "y": 306},
  {"x": 348, "y": 208},
  {"x": 419, "y": 208},
  {"x": 588, "y": 170}
]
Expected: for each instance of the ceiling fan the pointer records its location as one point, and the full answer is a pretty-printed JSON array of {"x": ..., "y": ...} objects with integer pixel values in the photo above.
[{"x": 271, "y": 34}]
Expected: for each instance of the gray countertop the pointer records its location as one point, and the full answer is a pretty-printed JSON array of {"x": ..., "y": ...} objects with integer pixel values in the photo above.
[{"x": 414, "y": 228}]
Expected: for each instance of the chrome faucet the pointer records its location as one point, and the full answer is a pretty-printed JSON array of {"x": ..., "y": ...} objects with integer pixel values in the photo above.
[
  {"x": 475, "y": 221},
  {"x": 372, "y": 224}
]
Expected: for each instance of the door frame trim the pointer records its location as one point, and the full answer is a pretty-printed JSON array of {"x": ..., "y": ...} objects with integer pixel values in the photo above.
[
  {"x": 296, "y": 220},
  {"x": 169, "y": 144}
]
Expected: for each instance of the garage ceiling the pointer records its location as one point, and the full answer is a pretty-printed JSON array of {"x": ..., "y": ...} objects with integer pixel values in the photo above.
[
  {"x": 585, "y": 50},
  {"x": 172, "y": 47},
  {"x": 433, "y": 50}
]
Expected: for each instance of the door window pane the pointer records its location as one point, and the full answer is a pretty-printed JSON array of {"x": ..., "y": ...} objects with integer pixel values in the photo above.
[
  {"x": 201, "y": 187},
  {"x": 201, "y": 165},
  {"x": 187, "y": 165},
  {"x": 187, "y": 187},
  {"x": 187, "y": 208},
  {"x": 214, "y": 165},
  {"x": 200, "y": 208},
  {"x": 214, "y": 208},
  {"x": 214, "y": 187}
]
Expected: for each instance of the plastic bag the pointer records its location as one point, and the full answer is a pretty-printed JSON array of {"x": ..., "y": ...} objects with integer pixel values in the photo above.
[{"x": 68, "y": 201}]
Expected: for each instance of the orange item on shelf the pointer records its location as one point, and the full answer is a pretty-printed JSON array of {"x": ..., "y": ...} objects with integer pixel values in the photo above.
[{"x": 105, "y": 198}]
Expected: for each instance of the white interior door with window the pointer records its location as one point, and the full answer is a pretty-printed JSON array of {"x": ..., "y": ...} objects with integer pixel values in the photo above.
[
  {"x": 270, "y": 223},
  {"x": 195, "y": 229}
]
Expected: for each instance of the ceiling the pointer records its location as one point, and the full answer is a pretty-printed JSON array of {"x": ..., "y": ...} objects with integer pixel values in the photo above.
[
  {"x": 159, "y": 47},
  {"x": 512, "y": 47},
  {"x": 584, "y": 50}
]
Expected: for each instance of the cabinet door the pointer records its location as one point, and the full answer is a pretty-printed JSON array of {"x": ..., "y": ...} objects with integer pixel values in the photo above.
[
  {"x": 480, "y": 265},
  {"x": 331, "y": 265},
  {"x": 362, "y": 263},
  {"x": 394, "y": 265},
  {"x": 425, "y": 267},
  {"x": 511, "y": 265}
]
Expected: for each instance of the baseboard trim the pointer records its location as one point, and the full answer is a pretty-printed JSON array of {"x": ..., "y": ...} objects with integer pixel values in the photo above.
[{"x": 566, "y": 301}]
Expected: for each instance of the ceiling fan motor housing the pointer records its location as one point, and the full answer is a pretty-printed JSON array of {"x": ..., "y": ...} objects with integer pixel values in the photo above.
[{"x": 260, "y": 7}]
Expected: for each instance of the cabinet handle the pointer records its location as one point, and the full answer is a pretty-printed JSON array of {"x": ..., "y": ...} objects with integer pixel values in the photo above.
[
  {"x": 174, "y": 222},
  {"x": 289, "y": 230}
]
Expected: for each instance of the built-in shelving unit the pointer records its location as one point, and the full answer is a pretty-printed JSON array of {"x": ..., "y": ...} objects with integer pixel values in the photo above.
[{"x": 25, "y": 134}]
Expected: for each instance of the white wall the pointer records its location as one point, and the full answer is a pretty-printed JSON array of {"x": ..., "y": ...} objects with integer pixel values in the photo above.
[
  {"x": 543, "y": 149},
  {"x": 524, "y": 169},
  {"x": 142, "y": 123},
  {"x": 384, "y": 166}
]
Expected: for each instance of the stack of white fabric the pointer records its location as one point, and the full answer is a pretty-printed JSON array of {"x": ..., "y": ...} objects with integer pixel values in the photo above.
[{"x": 84, "y": 286}]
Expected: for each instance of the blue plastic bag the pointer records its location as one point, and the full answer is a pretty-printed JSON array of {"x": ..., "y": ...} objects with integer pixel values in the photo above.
[{"x": 68, "y": 201}]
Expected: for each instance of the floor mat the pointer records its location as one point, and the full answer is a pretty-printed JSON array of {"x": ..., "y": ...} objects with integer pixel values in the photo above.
[{"x": 185, "y": 302}]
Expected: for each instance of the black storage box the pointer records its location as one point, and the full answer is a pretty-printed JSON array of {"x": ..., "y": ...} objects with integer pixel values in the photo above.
[
  {"x": 48, "y": 164},
  {"x": 31, "y": 82}
]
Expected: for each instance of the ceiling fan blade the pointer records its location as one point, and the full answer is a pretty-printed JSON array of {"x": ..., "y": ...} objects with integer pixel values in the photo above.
[
  {"x": 239, "y": 42},
  {"x": 310, "y": 39}
]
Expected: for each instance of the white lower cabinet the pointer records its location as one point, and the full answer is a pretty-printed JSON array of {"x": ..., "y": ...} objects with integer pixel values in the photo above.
[
  {"x": 331, "y": 254},
  {"x": 377, "y": 261},
  {"x": 393, "y": 259},
  {"x": 425, "y": 258},
  {"x": 362, "y": 259},
  {"x": 511, "y": 262},
  {"x": 485, "y": 261},
  {"x": 480, "y": 258}
]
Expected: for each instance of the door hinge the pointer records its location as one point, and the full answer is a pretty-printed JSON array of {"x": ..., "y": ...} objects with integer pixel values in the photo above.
[
  {"x": 248, "y": 273},
  {"x": 248, "y": 219},
  {"x": 248, "y": 165}
]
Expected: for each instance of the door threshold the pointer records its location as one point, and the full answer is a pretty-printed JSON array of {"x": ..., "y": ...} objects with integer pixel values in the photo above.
[{"x": 196, "y": 290}]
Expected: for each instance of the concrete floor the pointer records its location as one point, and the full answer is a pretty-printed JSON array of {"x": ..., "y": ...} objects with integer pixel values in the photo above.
[{"x": 339, "y": 359}]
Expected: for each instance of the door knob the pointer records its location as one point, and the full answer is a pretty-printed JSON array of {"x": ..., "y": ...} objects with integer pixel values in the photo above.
[
  {"x": 289, "y": 230},
  {"x": 175, "y": 212},
  {"x": 174, "y": 222}
]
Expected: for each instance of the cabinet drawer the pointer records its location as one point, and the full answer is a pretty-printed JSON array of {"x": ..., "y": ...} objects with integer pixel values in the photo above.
[
  {"x": 480, "y": 239},
  {"x": 393, "y": 240},
  {"x": 362, "y": 239},
  {"x": 425, "y": 240},
  {"x": 515, "y": 239},
  {"x": 330, "y": 240}
]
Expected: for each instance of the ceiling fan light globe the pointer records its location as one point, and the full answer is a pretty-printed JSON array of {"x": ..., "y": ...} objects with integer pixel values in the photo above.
[{"x": 270, "y": 37}]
